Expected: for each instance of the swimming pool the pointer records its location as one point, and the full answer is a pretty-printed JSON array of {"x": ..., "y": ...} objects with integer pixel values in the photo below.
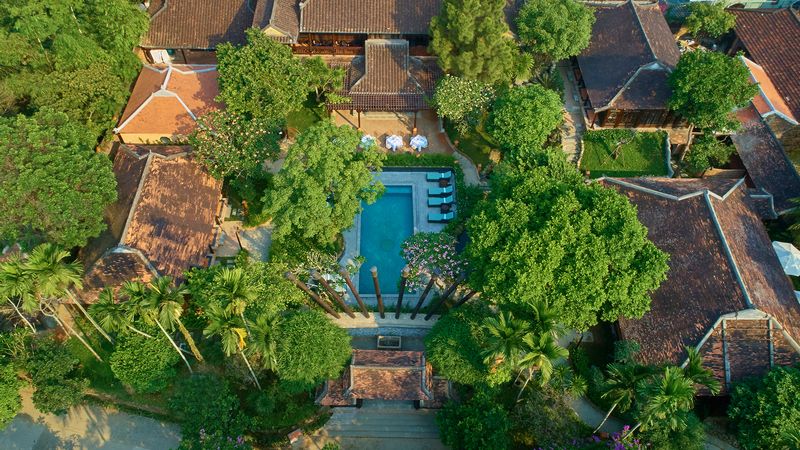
[{"x": 385, "y": 224}]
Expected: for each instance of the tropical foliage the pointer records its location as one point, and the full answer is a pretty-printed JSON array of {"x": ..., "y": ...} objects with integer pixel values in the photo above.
[
  {"x": 145, "y": 364},
  {"x": 431, "y": 254},
  {"x": 10, "y": 401},
  {"x": 52, "y": 370},
  {"x": 479, "y": 423},
  {"x": 709, "y": 19},
  {"x": 553, "y": 30},
  {"x": 454, "y": 345},
  {"x": 706, "y": 152},
  {"x": 461, "y": 101}
]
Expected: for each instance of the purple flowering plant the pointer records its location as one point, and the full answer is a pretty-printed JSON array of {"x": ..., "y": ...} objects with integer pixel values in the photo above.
[{"x": 428, "y": 253}]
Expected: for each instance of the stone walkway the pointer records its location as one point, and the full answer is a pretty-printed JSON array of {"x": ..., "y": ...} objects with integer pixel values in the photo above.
[
  {"x": 86, "y": 427},
  {"x": 573, "y": 127},
  {"x": 378, "y": 425}
]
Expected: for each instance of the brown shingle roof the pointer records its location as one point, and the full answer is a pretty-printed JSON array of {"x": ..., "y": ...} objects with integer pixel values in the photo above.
[
  {"x": 281, "y": 15},
  {"x": 197, "y": 24},
  {"x": 387, "y": 78},
  {"x": 721, "y": 262},
  {"x": 630, "y": 53},
  {"x": 765, "y": 160},
  {"x": 379, "y": 17},
  {"x": 163, "y": 219},
  {"x": 166, "y": 100},
  {"x": 382, "y": 374},
  {"x": 770, "y": 37}
]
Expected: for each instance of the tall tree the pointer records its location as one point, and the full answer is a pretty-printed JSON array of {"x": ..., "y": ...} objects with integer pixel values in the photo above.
[
  {"x": 541, "y": 353},
  {"x": 707, "y": 87},
  {"x": 115, "y": 317},
  {"x": 262, "y": 79},
  {"x": 139, "y": 303},
  {"x": 505, "y": 339},
  {"x": 553, "y": 30},
  {"x": 620, "y": 386},
  {"x": 522, "y": 119},
  {"x": 166, "y": 300},
  {"x": 709, "y": 19},
  {"x": 263, "y": 340},
  {"x": 471, "y": 40},
  {"x": 323, "y": 181},
  {"x": 545, "y": 235},
  {"x": 698, "y": 374},
  {"x": 50, "y": 168},
  {"x": 461, "y": 101},
  {"x": 237, "y": 290},
  {"x": 16, "y": 287},
  {"x": 229, "y": 328},
  {"x": 665, "y": 400}
]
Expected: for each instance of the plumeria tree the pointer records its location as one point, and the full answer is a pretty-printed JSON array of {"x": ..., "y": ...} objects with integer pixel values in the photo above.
[
  {"x": 462, "y": 101},
  {"x": 429, "y": 253}
]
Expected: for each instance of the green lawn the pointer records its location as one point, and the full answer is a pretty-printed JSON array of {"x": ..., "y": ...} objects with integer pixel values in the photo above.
[
  {"x": 311, "y": 113},
  {"x": 641, "y": 154},
  {"x": 475, "y": 144}
]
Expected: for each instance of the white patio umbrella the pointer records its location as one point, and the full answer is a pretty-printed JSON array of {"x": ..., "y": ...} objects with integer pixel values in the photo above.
[
  {"x": 393, "y": 142},
  {"x": 419, "y": 142},
  {"x": 367, "y": 140},
  {"x": 789, "y": 256}
]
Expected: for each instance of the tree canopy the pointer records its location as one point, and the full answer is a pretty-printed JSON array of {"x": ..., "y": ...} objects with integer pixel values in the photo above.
[
  {"x": 50, "y": 168},
  {"x": 766, "y": 411},
  {"x": 553, "y": 30},
  {"x": 544, "y": 235},
  {"x": 477, "y": 424},
  {"x": 710, "y": 19},
  {"x": 144, "y": 364},
  {"x": 323, "y": 181},
  {"x": 10, "y": 401},
  {"x": 461, "y": 101},
  {"x": 707, "y": 87},
  {"x": 523, "y": 118},
  {"x": 706, "y": 152},
  {"x": 311, "y": 348},
  {"x": 471, "y": 40}
]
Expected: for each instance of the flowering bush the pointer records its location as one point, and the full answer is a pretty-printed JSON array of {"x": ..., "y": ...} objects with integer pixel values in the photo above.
[
  {"x": 228, "y": 144},
  {"x": 461, "y": 101},
  {"x": 428, "y": 253}
]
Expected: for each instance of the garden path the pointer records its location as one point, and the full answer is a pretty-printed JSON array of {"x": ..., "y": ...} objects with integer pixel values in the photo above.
[
  {"x": 86, "y": 427},
  {"x": 574, "y": 126}
]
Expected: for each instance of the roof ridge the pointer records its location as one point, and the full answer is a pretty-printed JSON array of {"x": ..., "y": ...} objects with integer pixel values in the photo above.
[
  {"x": 644, "y": 32},
  {"x": 736, "y": 272},
  {"x": 136, "y": 198}
]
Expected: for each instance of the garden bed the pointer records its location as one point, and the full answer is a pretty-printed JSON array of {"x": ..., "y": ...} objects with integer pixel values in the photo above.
[
  {"x": 624, "y": 153},
  {"x": 474, "y": 144}
]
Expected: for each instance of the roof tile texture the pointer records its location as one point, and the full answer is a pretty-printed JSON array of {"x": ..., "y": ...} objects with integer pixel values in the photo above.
[
  {"x": 380, "y": 16},
  {"x": 197, "y": 24}
]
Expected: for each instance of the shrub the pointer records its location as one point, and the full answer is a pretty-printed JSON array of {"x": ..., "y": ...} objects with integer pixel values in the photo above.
[
  {"x": 310, "y": 349},
  {"x": 544, "y": 420},
  {"x": 52, "y": 369},
  {"x": 277, "y": 408},
  {"x": 10, "y": 401},
  {"x": 706, "y": 152},
  {"x": 478, "y": 424},
  {"x": 145, "y": 364},
  {"x": 455, "y": 343},
  {"x": 431, "y": 253},
  {"x": 461, "y": 101}
]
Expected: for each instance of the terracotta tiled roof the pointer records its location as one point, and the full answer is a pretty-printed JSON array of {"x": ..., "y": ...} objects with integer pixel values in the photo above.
[
  {"x": 765, "y": 160},
  {"x": 768, "y": 101},
  {"x": 166, "y": 100},
  {"x": 163, "y": 219},
  {"x": 386, "y": 375},
  {"x": 379, "y": 17},
  {"x": 197, "y": 24},
  {"x": 112, "y": 271},
  {"x": 770, "y": 37},
  {"x": 387, "y": 78},
  {"x": 281, "y": 15},
  {"x": 721, "y": 263},
  {"x": 628, "y": 58}
]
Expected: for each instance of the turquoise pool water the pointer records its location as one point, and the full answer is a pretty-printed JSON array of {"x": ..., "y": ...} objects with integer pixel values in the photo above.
[{"x": 385, "y": 224}]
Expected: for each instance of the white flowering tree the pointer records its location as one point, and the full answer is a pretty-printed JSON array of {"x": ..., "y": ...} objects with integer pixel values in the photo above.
[
  {"x": 461, "y": 101},
  {"x": 228, "y": 144},
  {"x": 429, "y": 253}
]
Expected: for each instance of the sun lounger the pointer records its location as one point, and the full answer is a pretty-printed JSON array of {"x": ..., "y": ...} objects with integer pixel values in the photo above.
[
  {"x": 436, "y": 176},
  {"x": 439, "y": 201},
  {"x": 437, "y": 217},
  {"x": 432, "y": 192}
]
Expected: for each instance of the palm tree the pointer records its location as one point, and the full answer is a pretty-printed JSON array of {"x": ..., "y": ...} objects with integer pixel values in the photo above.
[
  {"x": 235, "y": 286},
  {"x": 16, "y": 286},
  {"x": 262, "y": 340},
  {"x": 166, "y": 300},
  {"x": 699, "y": 375},
  {"x": 114, "y": 317},
  {"x": 138, "y": 304},
  {"x": 506, "y": 339},
  {"x": 620, "y": 386},
  {"x": 664, "y": 399},
  {"x": 545, "y": 318},
  {"x": 540, "y": 353},
  {"x": 231, "y": 332},
  {"x": 55, "y": 276}
]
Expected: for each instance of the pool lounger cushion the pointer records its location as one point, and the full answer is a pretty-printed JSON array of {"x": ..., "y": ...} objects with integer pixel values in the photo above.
[
  {"x": 432, "y": 192},
  {"x": 436, "y": 217},
  {"x": 438, "y": 201},
  {"x": 436, "y": 176}
]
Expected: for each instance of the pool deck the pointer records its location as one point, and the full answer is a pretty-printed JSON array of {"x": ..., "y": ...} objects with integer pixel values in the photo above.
[{"x": 352, "y": 237}]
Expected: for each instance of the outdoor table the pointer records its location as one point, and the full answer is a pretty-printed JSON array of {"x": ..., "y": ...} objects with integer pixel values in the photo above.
[
  {"x": 419, "y": 142},
  {"x": 394, "y": 142},
  {"x": 367, "y": 141}
]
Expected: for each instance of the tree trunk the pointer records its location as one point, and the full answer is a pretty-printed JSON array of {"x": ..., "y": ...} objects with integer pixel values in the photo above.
[
  {"x": 632, "y": 430},
  {"x": 136, "y": 330},
  {"x": 246, "y": 326},
  {"x": 605, "y": 418},
  {"x": 86, "y": 314},
  {"x": 190, "y": 341},
  {"x": 525, "y": 384},
  {"x": 250, "y": 368},
  {"x": 68, "y": 329},
  {"x": 24, "y": 319},
  {"x": 174, "y": 345}
]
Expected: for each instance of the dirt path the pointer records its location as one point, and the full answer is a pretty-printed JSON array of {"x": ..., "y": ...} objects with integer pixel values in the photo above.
[{"x": 86, "y": 427}]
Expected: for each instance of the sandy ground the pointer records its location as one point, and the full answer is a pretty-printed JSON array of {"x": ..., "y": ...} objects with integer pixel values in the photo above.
[{"x": 86, "y": 427}]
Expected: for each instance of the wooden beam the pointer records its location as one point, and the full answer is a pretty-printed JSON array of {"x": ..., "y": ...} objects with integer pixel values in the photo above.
[
  {"x": 465, "y": 299},
  {"x": 374, "y": 271},
  {"x": 422, "y": 297},
  {"x": 290, "y": 276},
  {"x": 333, "y": 293},
  {"x": 346, "y": 275},
  {"x": 403, "y": 278},
  {"x": 447, "y": 293}
]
